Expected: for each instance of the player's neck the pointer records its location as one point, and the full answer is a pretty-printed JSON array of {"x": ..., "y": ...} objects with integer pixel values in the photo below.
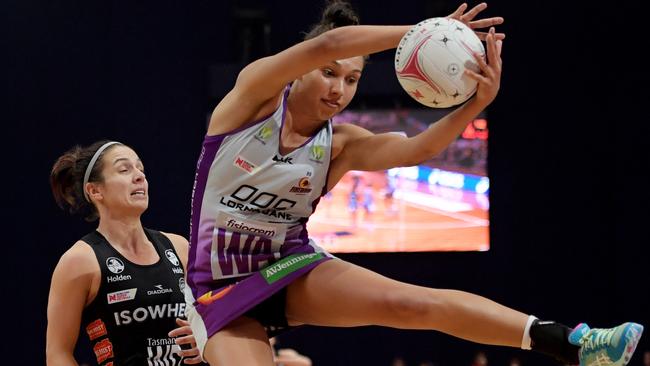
[
  {"x": 126, "y": 233},
  {"x": 299, "y": 120}
]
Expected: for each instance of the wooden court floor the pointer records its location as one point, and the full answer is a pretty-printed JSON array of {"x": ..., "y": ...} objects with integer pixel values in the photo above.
[{"x": 417, "y": 218}]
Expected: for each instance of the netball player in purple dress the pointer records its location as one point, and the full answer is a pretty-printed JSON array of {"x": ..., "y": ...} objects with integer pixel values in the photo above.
[{"x": 271, "y": 152}]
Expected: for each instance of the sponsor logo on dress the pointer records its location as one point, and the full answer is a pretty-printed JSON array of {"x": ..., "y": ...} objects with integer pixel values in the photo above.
[
  {"x": 177, "y": 270},
  {"x": 153, "y": 312},
  {"x": 265, "y": 132},
  {"x": 288, "y": 265},
  {"x": 208, "y": 298},
  {"x": 244, "y": 164},
  {"x": 159, "y": 290},
  {"x": 160, "y": 342},
  {"x": 280, "y": 159},
  {"x": 247, "y": 198},
  {"x": 163, "y": 351},
  {"x": 261, "y": 230},
  {"x": 103, "y": 350},
  {"x": 181, "y": 284},
  {"x": 114, "y": 265},
  {"x": 119, "y": 296},
  {"x": 169, "y": 253},
  {"x": 96, "y": 329},
  {"x": 118, "y": 278},
  {"x": 303, "y": 187},
  {"x": 317, "y": 153}
]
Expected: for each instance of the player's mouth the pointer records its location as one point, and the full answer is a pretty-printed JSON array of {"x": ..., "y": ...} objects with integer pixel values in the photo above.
[
  {"x": 139, "y": 193},
  {"x": 331, "y": 103}
]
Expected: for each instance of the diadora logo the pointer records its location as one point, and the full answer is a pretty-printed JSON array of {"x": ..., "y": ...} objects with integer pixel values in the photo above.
[
  {"x": 96, "y": 329},
  {"x": 120, "y": 296},
  {"x": 103, "y": 350},
  {"x": 169, "y": 253},
  {"x": 159, "y": 290},
  {"x": 265, "y": 132},
  {"x": 142, "y": 314},
  {"x": 266, "y": 203},
  {"x": 114, "y": 265},
  {"x": 244, "y": 164},
  {"x": 317, "y": 153},
  {"x": 280, "y": 159},
  {"x": 251, "y": 228},
  {"x": 304, "y": 186}
]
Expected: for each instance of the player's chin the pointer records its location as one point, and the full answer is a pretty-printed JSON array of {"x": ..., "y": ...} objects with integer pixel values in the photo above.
[
  {"x": 325, "y": 115},
  {"x": 139, "y": 205},
  {"x": 328, "y": 113}
]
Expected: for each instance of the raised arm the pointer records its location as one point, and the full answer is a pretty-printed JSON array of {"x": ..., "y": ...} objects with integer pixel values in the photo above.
[
  {"x": 69, "y": 293},
  {"x": 260, "y": 83},
  {"x": 392, "y": 150}
]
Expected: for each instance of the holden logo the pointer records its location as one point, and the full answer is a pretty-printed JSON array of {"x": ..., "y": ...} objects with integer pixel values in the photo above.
[
  {"x": 169, "y": 253},
  {"x": 114, "y": 265},
  {"x": 181, "y": 284}
]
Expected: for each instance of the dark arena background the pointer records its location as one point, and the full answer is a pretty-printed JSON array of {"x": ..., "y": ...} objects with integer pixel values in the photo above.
[{"x": 568, "y": 213}]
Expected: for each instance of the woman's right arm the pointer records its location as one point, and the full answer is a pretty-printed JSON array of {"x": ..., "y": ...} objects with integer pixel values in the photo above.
[
  {"x": 261, "y": 82},
  {"x": 69, "y": 293}
]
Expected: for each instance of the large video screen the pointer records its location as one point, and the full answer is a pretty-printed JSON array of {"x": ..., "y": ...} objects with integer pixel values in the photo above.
[{"x": 440, "y": 205}]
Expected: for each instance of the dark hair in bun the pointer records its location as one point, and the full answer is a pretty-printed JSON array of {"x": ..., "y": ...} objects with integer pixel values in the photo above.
[{"x": 337, "y": 13}]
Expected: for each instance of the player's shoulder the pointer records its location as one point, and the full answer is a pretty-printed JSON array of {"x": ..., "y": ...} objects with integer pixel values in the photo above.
[
  {"x": 179, "y": 242},
  {"x": 175, "y": 238},
  {"x": 345, "y": 133},
  {"x": 78, "y": 259},
  {"x": 349, "y": 130}
]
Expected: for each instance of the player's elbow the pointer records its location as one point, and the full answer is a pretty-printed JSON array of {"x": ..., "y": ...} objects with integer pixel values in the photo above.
[
  {"x": 328, "y": 44},
  {"x": 58, "y": 350},
  {"x": 54, "y": 356},
  {"x": 419, "y": 156}
]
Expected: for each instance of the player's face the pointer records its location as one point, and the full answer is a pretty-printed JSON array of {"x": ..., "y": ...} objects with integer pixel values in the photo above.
[
  {"x": 125, "y": 189},
  {"x": 332, "y": 86}
]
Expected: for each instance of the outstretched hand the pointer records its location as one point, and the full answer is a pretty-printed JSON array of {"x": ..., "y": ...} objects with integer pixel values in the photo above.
[
  {"x": 184, "y": 335},
  {"x": 468, "y": 19},
  {"x": 489, "y": 79}
]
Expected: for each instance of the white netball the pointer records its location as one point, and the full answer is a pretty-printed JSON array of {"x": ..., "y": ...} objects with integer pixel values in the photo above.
[{"x": 431, "y": 58}]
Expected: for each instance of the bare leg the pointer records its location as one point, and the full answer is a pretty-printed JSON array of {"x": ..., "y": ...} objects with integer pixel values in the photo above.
[
  {"x": 341, "y": 294},
  {"x": 242, "y": 342}
]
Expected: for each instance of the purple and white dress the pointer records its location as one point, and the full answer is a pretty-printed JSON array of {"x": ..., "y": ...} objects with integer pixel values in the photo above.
[{"x": 250, "y": 206}]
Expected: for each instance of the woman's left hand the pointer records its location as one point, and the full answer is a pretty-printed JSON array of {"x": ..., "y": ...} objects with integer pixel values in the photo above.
[
  {"x": 468, "y": 19},
  {"x": 184, "y": 335},
  {"x": 489, "y": 80}
]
